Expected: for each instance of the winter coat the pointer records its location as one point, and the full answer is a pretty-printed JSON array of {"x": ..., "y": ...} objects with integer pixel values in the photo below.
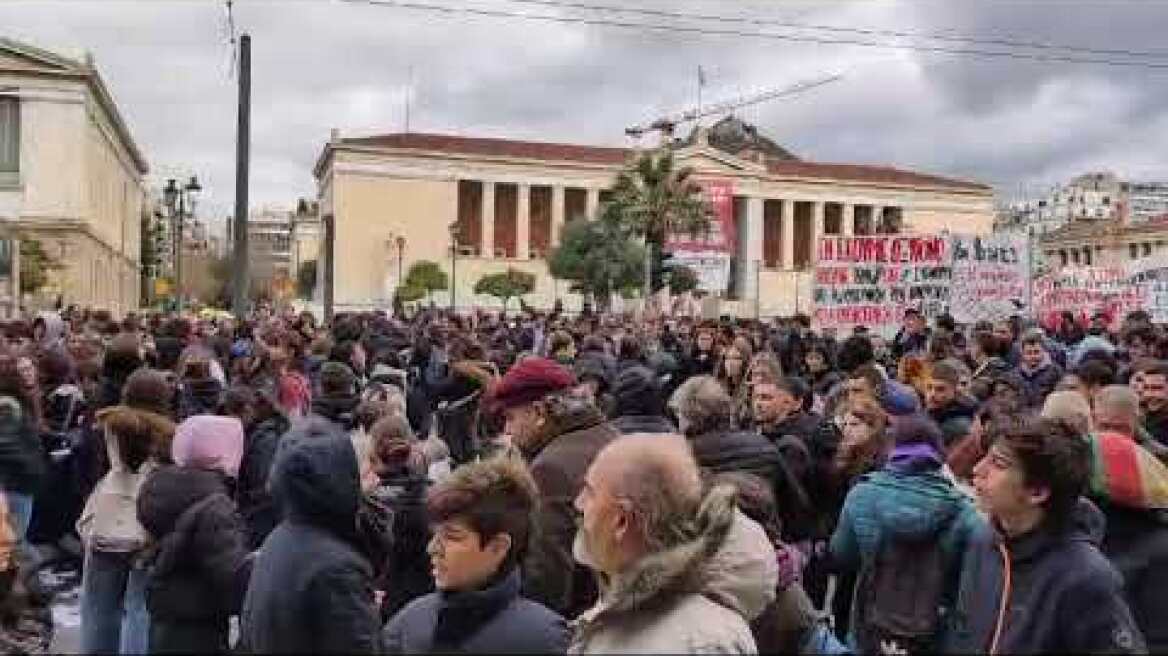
[
  {"x": 492, "y": 620},
  {"x": 698, "y": 363},
  {"x": 629, "y": 424},
  {"x": 337, "y": 410},
  {"x": 551, "y": 575},
  {"x": 982, "y": 379},
  {"x": 405, "y": 575},
  {"x": 198, "y": 397},
  {"x": 199, "y": 564},
  {"x": 751, "y": 453},
  {"x": 22, "y": 460},
  {"x": 311, "y": 588},
  {"x": 1136, "y": 543},
  {"x": 1064, "y": 597},
  {"x": 905, "y": 344},
  {"x": 1039, "y": 382},
  {"x": 697, "y": 597},
  {"x": 914, "y": 505},
  {"x": 955, "y": 419},
  {"x": 259, "y": 512}
]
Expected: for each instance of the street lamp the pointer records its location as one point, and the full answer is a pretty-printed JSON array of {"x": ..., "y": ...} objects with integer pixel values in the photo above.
[
  {"x": 453, "y": 227},
  {"x": 180, "y": 202}
]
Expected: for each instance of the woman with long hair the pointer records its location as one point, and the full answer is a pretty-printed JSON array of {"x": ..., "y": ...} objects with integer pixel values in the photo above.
[
  {"x": 864, "y": 444},
  {"x": 731, "y": 369}
]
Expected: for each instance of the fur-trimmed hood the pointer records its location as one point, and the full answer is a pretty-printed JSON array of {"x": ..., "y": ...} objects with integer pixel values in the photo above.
[{"x": 728, "y": 560}]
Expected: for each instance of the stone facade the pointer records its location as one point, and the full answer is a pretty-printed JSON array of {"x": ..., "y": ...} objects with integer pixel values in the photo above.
[
  {"x": 1102, "y": 243},
  {"x": 79, "y": 185},
  {"x": 507, "y": 201}
]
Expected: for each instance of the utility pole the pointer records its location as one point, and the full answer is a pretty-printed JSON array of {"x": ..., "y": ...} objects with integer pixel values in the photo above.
[{"x": 242, "y": 162}]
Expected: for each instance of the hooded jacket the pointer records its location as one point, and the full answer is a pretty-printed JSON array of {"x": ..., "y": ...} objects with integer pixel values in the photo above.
[
  {"x": 54, "y": 330},
  {"x": 337, "y": 410},
  {"x": 1063, "y": 595},
  {"x": 914, "y": 502},
  {"x": 200, "y": 559},
  {"x": 697, "y": 597},
  {"x": 251, "y": 493},
  {"x": 311, "y": 588},
  {"x": 491, "y": 620},
  {"x": 551, "y": 575},
  {"x": 405, "y": 575}
]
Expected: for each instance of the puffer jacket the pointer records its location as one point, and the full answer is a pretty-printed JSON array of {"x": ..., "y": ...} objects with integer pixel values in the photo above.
[
  {"x": 311, "y": 586},
  {"x": 338, "y": 410},
  {"x": 558, "y": 463},
  {"x": 912, "y": 503},
  {"x": 491, "y": 620},
  {"x": 199, "y": 565},
  {"x": 1040, "y": 381},
  {"x": 697, "y": 597},
  {"x": 1063, "y": 595}
]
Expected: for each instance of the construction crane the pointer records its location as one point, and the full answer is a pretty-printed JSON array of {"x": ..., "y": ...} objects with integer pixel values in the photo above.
[{"x": 666, "y": 124}]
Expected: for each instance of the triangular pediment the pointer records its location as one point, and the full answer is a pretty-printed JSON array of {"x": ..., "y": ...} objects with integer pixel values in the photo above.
[
  {"x": 20, "y": 57},
  {"x": 707, "y": 159}
]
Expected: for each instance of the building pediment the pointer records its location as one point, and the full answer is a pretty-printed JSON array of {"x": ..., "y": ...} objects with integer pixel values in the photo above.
[
  {"x": 23, "y": 58},
  {"x": 704, "y": 159}
]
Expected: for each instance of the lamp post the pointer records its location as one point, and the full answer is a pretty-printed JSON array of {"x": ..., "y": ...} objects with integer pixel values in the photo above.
[
  {"x": 453, "y": 227},
  {"x": 401, "y": 250},
  {"x": 180, "y": 203}
]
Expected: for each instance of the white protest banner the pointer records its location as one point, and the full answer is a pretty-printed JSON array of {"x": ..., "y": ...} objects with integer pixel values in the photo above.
[{"x": 991, "y": 274}]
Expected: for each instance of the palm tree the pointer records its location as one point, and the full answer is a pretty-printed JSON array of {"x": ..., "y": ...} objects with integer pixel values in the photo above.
[{"x": 653, "y": 199}]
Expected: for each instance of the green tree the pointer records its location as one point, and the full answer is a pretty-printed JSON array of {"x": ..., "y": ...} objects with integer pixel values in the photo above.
[
  {"x": 653, "y": 199},
  {"x": 427, "y": 276},
  {"x": 409, "y": 293},
  {"x": 598, "y": 258},
  {"x": 306, "y": 279},
  {"x": 682, "y": 279},
  {"x": 35, "y": 265},
  {"x": 505, "y": 286}
]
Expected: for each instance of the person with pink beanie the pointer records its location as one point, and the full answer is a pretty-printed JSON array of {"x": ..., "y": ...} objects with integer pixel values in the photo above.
[{"x": 200, "y": 561}]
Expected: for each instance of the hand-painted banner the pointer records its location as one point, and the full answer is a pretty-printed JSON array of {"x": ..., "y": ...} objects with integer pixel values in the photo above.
[
  {"x": 872, "y": 280},
  {"x": 991, "y": 274},
  {"x": 720, "y": 237},
  {"x": 1112, "y": 290}
]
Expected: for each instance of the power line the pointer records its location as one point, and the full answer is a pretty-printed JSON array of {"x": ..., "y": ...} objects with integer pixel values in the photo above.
[
  {"x": 706, "y": 31},
  {"x": 765, "y": 22}
]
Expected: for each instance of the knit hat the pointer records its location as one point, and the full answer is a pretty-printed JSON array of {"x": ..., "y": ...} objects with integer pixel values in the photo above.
[
  {"x": 530, "y": 380},
  {"x": 209, "y": 442},
  {"x": 336, "y": 376},
  {"x": 148, "y": 389},
  {"x": 638, "y": 391}
]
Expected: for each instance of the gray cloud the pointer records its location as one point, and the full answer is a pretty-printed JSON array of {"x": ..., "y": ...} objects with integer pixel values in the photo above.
[{"x": 320, "y": 64}]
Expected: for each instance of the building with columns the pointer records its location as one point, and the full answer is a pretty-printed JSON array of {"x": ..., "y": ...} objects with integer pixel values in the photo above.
[
  {"x": 505, "y": 202},
  {"x": 71, "y": 177},
  {"x": 1107, "y": 242}
]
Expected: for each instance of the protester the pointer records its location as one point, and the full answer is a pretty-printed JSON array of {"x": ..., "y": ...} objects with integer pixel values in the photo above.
[
  {"x": 685, "y": 573},
  {"x": 1039, "y": 558},
  {"x": 199, "y": 560},
  {"x": 310, "y": 587},
  {"x": 482, "y": 518},
  {"x": 951, "y": 409},
  {"x": 1038, "y": 371},
  {"x": 558, "y": 433},
  {"x": 22, "y": 466},
  {"x": 639, "y": 403}
]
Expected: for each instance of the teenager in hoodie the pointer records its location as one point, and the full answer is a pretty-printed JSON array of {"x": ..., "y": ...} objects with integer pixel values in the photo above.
[
  {"x": 1034, "y": 580},
  {"x": 199, "y": 559}
]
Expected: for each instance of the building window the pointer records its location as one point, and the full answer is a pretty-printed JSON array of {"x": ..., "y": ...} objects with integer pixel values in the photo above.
[
  {"x": 9, "y": 139},
  {"x": 1133, "y": 250},
  {"x": 1147, "y": 249}
]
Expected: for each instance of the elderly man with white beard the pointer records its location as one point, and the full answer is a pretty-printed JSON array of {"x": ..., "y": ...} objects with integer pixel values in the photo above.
[{"x": 680, "y": 570}]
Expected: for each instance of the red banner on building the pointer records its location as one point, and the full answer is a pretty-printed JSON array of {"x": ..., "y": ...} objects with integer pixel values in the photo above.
[{"x": 720, "y": 238}]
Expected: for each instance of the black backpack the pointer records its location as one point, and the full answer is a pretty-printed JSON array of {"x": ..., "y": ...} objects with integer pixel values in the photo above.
[{"x": 899, "y": 596}]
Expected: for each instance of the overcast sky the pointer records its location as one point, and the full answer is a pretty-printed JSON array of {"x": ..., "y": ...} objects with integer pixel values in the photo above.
[{"x": 320, "y": 64}]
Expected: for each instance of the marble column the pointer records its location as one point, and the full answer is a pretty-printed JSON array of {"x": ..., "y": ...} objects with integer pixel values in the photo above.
[
  {"x": 557, "y": 215},
  {"x": 847, "y": 219},
  {"x": 877, "y": 219},
  {"x": 788, "y": 244},
  {"x": 487, "y": 247},
  {"x": 750, "y": 250},
  {"x": 593, "y": 204},
  {"x": 523, "y": 223}
]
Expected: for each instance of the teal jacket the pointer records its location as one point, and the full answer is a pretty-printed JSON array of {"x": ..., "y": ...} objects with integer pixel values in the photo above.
[{"x": 888, "y": 504}]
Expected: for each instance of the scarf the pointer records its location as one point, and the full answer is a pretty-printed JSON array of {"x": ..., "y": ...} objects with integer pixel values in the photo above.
[{"x": 1126, "y": 474}]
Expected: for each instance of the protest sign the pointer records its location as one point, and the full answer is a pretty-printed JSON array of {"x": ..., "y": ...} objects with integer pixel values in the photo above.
[
  {"x": 1086, "y": 290},
  {"x": 709, "y": 254},
  {"x": 872, "y": 280},
  {"x": 991, "y": 276}
]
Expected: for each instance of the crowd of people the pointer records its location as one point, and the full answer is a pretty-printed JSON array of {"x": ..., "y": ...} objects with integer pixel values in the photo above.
[{"x": 544, "y": 483}]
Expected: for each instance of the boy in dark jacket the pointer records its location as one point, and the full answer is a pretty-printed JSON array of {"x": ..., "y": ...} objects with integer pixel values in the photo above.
[
  {"x": 482, "y": 517},
  {"x": 1034, "y": 580}
]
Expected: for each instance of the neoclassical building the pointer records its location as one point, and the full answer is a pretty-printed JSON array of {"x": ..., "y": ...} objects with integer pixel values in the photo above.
[
  {"x": 1102, "y": 242},
  {"x": 505, "y": 201},
  {"x": 71, "y": 175}
]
